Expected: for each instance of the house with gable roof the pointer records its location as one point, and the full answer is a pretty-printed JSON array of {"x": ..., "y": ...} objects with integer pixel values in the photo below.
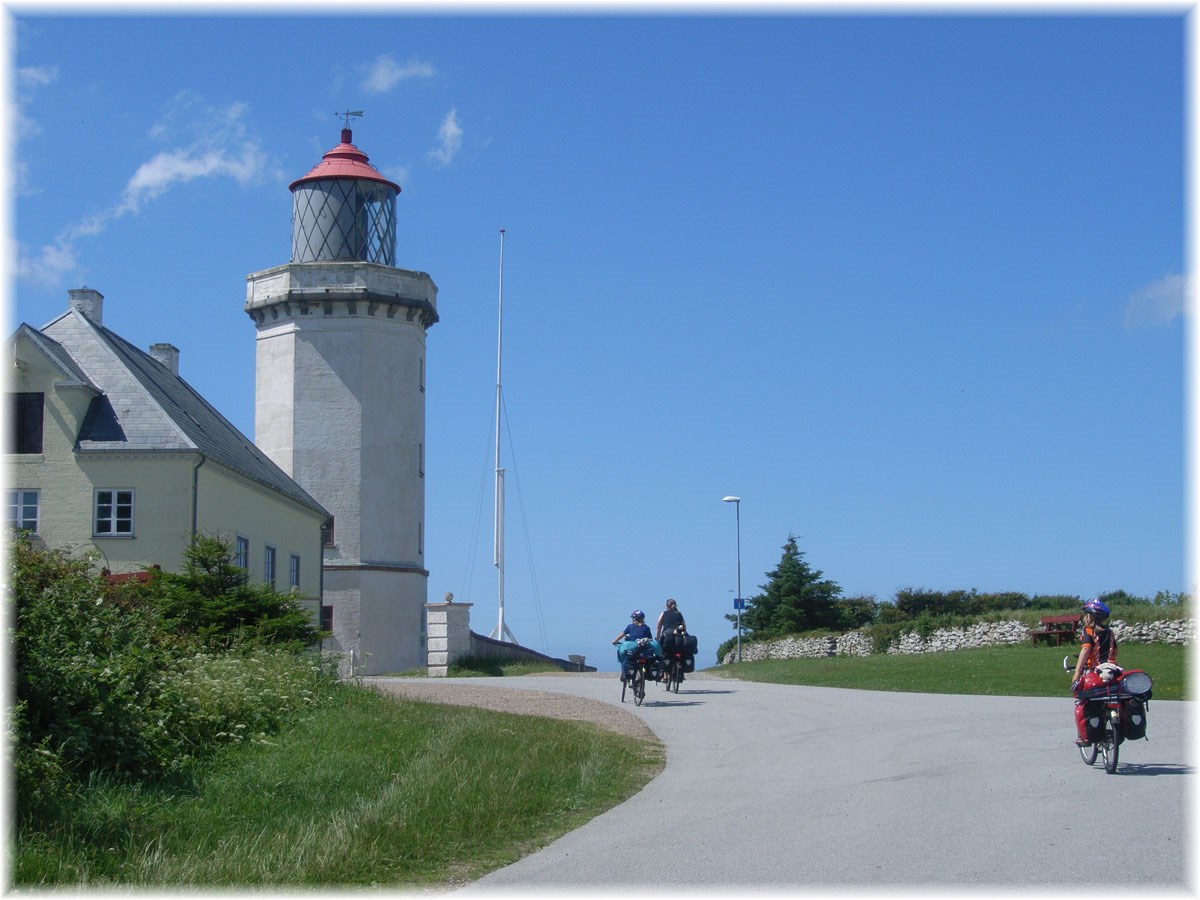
[{"x": 108, "y": 447}]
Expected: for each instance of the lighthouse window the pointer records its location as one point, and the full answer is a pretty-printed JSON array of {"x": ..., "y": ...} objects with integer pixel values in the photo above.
[{"x": 344, "y": 219}]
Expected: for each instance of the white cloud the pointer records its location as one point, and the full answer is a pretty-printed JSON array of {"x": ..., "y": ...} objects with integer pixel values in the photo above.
[
  {"x": 36, "y": 76},
  {"x": 212, "y": 142},
  {"x": 384, "y": 73},
  {"x": 50, "y": 265},
  {"x": 1158, "y": 303},
  {"x": 398, "y": 174},
  {"x": 449, "y": 139},
  {"x": 165, "y": 170},
  {"x": 29, "y": 79}
]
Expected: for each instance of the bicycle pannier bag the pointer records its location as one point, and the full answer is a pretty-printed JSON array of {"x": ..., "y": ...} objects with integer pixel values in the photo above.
[{"x": 1135, "y": 719}]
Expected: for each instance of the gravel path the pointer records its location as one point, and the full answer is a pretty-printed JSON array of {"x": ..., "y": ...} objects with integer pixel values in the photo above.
[{"x": 475, "y": 692}]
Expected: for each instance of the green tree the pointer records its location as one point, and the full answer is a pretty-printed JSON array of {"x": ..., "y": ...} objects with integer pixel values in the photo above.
[
  {"x": 795, "y": 599},
  {"x": 213, "y": 599}
]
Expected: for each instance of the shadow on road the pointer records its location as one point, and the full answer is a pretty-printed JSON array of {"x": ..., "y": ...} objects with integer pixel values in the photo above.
[
  {"x": 1154, "y": 769},
  {"x": 672, "y": 703}
]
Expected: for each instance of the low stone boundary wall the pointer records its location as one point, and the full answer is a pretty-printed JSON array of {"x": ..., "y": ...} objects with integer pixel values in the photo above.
[
  {"x": 449, "y": 638},
  {"x": 981, "y": 634},
  {"x": 490, "y": 648}
]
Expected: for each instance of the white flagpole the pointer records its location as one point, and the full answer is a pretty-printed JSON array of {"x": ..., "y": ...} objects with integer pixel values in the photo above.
[{"x": 502, "y": 631}]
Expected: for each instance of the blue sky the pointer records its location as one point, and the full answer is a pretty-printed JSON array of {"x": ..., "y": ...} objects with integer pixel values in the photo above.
[{"x": 909, "y": 285}]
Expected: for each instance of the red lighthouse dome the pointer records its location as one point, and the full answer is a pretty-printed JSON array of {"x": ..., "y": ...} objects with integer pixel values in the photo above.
[
  {"x": 345, "y": 161},
  {"x": 343, "y": 209}
]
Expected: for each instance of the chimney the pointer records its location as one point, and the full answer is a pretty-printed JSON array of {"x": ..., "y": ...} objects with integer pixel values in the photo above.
[
  {"x": 88, "y": 302},
  {"x": 168, "y": 355}
]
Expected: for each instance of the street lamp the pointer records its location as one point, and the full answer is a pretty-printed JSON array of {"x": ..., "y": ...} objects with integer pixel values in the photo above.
[{"x": 737, "y": 601}]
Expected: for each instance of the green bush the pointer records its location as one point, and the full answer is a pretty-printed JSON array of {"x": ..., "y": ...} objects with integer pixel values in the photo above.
[
  {"x": 85, "y": 665},
  {"x": 104, "y": 687}
]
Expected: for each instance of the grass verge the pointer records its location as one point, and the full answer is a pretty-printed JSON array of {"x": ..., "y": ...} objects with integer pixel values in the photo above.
[
  {"x": 368, "y": 791},
  {"x": 1017, "y": 670},
  {"x": 486, "y": 667}
]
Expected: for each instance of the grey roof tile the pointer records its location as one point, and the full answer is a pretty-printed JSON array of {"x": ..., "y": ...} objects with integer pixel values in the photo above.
[{"x": 146, "y": 406}]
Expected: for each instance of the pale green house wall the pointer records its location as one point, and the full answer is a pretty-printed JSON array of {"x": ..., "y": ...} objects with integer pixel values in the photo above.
[{"x": 177, "y": 492}]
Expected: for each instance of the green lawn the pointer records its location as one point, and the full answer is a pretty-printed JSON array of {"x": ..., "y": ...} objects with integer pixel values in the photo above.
[
  {"x": 1017, "y": 670},
  {"x": 369, "y": 791}
]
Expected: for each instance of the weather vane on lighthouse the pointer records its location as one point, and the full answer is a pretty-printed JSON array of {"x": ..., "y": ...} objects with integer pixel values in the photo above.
[{"x": 348, "y": 114}]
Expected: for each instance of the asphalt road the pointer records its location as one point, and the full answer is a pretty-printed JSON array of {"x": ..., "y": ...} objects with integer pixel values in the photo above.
[{"x": 793, "y": 788}]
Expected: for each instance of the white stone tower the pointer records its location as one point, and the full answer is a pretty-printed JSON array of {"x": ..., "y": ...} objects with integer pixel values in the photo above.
[{"x": 340, "y": 401}]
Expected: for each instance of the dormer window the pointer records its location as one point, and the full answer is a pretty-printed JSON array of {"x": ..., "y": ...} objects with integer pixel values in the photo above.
[{"x": 26, "y": 436}]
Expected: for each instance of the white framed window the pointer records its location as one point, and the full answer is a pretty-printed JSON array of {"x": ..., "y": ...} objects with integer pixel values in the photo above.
[
  {"x": 113, "y": 513},
  {"x": 269, "y": 565},
  {"x": 23, "y": 508},
  {"x": 294, "y": 571},
  {"x": 241, "y": 552}
]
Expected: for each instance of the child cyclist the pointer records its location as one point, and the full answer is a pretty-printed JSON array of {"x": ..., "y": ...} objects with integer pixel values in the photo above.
[
  {"x": 631, "y": 634},
  {"x": 1099, "y": 645}
]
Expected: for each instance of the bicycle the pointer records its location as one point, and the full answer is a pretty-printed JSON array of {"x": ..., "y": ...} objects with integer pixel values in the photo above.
[
  {"x": 1115, "y": 711},
  {"x": 640, "y": 665},
  {"x": 674, "y": 672}
]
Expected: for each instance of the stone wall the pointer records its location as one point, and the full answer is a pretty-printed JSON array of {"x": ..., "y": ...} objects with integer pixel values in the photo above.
[
  {"x": 981, "y": 634},
  {"x": 489, "y": 648},
  {"x": 450, "y": 639}
]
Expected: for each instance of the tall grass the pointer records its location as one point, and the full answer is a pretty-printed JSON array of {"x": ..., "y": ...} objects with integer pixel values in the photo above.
[
  {"x": 366, "y": 791},
  {"x": 1017, "y": 670}
]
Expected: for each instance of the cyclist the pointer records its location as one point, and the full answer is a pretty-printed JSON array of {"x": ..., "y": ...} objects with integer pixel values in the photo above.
[
  {"x": 1098, "y": 646},
  {"x": 668, "y": 620},
  {"x": 630, "y": 635}
]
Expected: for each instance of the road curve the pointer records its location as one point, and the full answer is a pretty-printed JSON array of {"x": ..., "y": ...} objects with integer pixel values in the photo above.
[{"x": 786, "y": 787}]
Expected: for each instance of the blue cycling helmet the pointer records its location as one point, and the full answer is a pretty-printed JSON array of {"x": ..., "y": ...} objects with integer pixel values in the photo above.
[
  {"x": 1097, "y": 607},
  {"x": 637, "y": 614}
]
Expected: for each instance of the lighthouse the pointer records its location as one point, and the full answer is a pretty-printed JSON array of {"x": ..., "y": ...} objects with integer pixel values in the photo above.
[{"x": 340, "y": 401}]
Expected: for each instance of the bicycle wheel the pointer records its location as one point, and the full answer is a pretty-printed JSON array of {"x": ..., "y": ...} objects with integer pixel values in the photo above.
[
  {"x": 1111, "y": 742},
  {"x": 639, "y": 686},
  {"x": 624, "y": 683},
  {"x": 1089, "y": 753},
  {"x": 676, "y": 675}
]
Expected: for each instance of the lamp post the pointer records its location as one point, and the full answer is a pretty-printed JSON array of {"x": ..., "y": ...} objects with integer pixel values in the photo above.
[{"x": 737, "y": 601}]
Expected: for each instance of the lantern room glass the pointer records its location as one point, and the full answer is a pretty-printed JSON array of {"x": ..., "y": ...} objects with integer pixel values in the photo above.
[{"x": 344, "y": 219}]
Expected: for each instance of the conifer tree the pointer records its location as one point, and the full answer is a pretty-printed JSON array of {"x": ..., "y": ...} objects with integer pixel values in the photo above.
[{"x": 796, "y": 598}]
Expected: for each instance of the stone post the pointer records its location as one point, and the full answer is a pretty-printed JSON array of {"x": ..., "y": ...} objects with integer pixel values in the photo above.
[{"x": 448, "y": 631}]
